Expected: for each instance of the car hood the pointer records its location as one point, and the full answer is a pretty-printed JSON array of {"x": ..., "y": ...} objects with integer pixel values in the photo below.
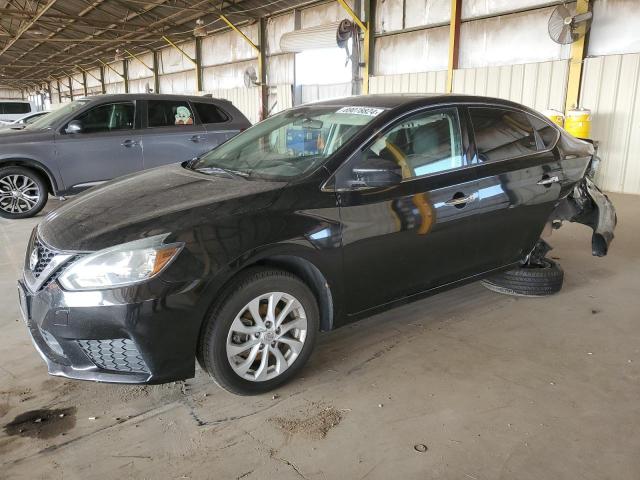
[
  {"x": 168, "y": 199},
  {"x": 10, "y": 136}
]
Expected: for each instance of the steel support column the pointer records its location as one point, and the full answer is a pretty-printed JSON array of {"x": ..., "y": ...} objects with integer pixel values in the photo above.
[
  {"x": 103, "y": 87},
  {"x": 198, "y": 43},
  {"x": 368, "y": 37},
  {"x": 125, "y": 75},
  {"x": 578, "y": 51},
  {"x": 454, "y": 41},
  {"x": 156, "y": 76},
  {"x": 262, "y": 67}
]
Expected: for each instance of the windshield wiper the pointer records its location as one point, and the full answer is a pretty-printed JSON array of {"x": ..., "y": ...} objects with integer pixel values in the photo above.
[{"x": 219, "y": 170}]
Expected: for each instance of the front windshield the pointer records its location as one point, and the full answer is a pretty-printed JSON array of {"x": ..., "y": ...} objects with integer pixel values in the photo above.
[
  {"x": 289, "y": 144},
  {"x": 47, "y": 121}
]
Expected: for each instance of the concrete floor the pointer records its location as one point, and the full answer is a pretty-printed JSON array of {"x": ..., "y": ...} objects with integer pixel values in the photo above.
[{"x": 493, "y": 386}]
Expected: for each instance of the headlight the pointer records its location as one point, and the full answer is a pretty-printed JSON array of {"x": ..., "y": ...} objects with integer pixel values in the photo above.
[{"x": 124, "y": 264}]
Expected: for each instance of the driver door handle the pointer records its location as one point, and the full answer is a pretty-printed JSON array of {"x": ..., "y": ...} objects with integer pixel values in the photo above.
[
  {"x": 197, "y": 138},
  {"x": 549, "y": 180},
  {"x": 462, "y": 200},
  {"x": 129, "y": 143}
]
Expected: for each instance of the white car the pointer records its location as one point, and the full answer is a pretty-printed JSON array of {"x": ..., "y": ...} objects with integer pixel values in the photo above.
[
  {"x": 22, "y": 121},
  {"x": 14, "y": 109}
]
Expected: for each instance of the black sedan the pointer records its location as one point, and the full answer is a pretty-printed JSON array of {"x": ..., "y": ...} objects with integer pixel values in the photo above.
[{"x": 318, "y": 216}]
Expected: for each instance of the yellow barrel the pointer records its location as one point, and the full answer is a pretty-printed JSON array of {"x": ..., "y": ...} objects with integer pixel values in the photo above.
[
  {"x": 578, "y": 123},
  {"x": 555, "y": 116}
]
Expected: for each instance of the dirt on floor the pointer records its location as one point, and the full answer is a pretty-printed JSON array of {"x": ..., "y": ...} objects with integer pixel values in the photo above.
[{"x": 467, "y": 384}]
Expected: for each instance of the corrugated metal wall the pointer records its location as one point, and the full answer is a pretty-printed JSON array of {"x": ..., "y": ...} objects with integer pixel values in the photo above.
[
  {"x": 540, "y": 86},
  {"x": 423, "y": 82},
  {"x": 10, "y": 93},
  {"x": 611, "y": 90},
  {"x": 247, "y": 100}
]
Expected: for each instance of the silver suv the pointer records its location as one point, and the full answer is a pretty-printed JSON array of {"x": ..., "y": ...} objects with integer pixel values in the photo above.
[{"x": 92, "y": 140}]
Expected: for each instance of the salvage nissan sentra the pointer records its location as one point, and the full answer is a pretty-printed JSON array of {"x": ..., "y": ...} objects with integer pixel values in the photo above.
[{"x": 315, "y": 217}]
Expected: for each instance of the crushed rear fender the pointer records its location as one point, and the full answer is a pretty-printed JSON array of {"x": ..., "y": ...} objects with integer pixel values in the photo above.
[{"x": 587, "y": 204}]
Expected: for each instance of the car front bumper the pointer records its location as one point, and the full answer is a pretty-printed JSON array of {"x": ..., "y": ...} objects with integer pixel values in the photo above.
[{"x": 118, "y": 336}]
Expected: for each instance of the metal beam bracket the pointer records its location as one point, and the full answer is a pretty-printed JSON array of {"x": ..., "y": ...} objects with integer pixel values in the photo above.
[
  {"x": 184, "y": 54},
  {"x": 112, "y": 69},
  {"x": 133, "y": 55}
]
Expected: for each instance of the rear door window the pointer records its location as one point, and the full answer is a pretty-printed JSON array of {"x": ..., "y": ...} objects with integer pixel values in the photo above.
[
  {"x": 547, "y": 134},
  {"x": 14, "y": 108},
  {"x": 108, "y": 117},
  {"x": 502, "y": 134},
  {"x": 169, "y": 113},
  {"x": 210, "y": 113}
]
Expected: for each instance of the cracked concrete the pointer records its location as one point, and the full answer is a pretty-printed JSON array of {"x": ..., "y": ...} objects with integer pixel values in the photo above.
[{"x": 496, "y": 387}]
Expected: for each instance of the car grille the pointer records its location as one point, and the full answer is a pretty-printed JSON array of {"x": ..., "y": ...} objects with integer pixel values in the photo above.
[
  {"x": 45, "y": 255},
  {"x": 119, "y": 354}
]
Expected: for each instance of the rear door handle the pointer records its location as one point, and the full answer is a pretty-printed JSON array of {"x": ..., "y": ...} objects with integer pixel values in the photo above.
[
  {"x": 549, "y": 180},
  {"x": 197, "y": 138},
  {"x": 129, "y": 143},
  {"x": 461, "y": 201}
]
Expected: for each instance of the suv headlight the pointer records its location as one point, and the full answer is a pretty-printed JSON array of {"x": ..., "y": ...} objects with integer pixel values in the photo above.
[{"x": 124, "y": 264}]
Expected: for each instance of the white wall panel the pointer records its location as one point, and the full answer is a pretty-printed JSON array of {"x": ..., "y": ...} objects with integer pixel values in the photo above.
[
  {"x": 323, "y": 14},
  {"x": 171, "y": 60},
  {"x": 229, "y": 46},
  {"x": 615, "y": 27},
  {"x": 115, "y": 87},
  {"x": 389, "y": 15},
  {"x": 137, "y": 69},
  {"x": 419, "y": 51},
  {"x": 280, "y": 98},
  {"x": 423, "y": 82},
  {"x": 91, "y": 81},
  {"x": 110, "y": 76},
  {"x": 140, "y": 85},
  {"x": 314, "y": 93},
  {"x": 540, "y": 86},
  {"x": 509, "y": 40},
  {"x": 10, "y": 93},
  {"x": 226, "y": 76},
  {"x": 181, "y": 82},
  {"x": 281, "y": 69},
  {"x": 481, "y": 8},
  {"x": 611, "y": 90},
  {"x": 427, "y": 12},
  {"x": 276, "y": 27},
  {"x": 247, "y": 100}
]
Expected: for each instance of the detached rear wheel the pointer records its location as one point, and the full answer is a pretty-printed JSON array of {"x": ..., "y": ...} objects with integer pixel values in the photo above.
[
  {"x": 261, "y": 333},
  {"x": 23, "y": 192},
  {"x": 539, "y": 279}
]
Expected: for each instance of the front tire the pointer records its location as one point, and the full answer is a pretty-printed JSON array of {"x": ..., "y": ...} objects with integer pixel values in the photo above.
[
  {"x": 539, "y": 279},
  {"x": 260, "y": 333},
  {"x": 23, "y": 192}
]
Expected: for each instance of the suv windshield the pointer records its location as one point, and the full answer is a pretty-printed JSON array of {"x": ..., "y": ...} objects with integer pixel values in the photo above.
[
  {"x": 289, "y": 144},
  {"x": 47, "y": 121}
]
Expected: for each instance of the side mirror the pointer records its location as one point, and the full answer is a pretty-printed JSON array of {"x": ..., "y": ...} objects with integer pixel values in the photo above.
[
  {"x": 376, "y": 172},
  {"x": 74, "y": 126}
]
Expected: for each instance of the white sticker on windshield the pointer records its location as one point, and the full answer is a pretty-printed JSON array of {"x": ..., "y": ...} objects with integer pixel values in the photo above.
[{"x": 368, "y": 111}]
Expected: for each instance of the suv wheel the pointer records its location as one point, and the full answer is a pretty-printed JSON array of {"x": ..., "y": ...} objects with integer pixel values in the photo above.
[
  {"x": 261, "y": 333},
  {"x": 23, "y": 192},
  {"x": 537, "y": 279}
]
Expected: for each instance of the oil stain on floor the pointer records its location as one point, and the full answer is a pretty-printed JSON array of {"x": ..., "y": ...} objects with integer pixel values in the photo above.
[{"x": 45, "y": 423}]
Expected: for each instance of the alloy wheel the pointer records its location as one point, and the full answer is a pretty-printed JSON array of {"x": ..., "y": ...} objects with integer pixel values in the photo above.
[
  {"x": 266, "y": 336},
  {"x": 18, "y": 193}
]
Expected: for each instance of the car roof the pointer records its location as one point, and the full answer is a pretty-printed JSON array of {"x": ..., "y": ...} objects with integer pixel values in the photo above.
[
  {"x": 152, "y": 96},
  {"x": 393, "y": 101}
]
